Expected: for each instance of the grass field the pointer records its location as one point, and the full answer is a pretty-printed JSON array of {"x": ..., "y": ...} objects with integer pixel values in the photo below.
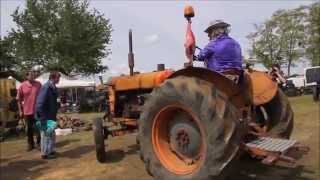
[{"x": 76, "y": 156}]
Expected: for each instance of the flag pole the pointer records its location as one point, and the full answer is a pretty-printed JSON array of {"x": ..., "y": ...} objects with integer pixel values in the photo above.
[{"x": 190, "y": 40}]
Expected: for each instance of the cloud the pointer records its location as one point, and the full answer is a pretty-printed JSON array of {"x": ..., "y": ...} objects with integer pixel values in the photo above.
[
  {"x": 151, "y": 39},
  {"x": 118, "y": 69}
]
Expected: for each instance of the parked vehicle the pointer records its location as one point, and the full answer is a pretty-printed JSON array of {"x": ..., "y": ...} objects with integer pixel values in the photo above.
[
  {"x": 312, "y": 76},
  {"x": 9, "y": 117},
  {"x": 294, "y": 86}
]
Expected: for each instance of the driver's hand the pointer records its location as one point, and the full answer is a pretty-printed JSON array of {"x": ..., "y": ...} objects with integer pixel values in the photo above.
[{"x": 195, "y": 58}]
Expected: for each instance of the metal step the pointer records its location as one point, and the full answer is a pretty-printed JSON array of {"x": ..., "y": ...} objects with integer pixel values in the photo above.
[{"x": 272, "y": 144}]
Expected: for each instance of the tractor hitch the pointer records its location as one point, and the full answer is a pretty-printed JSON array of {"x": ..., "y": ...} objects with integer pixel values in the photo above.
[{"x": 272, "y": 150}]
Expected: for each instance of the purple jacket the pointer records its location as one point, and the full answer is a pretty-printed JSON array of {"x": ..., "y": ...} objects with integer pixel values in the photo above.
[{"x": 221, "y": 54}]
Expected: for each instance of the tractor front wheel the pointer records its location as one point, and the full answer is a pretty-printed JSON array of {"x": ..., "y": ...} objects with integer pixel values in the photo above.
[{"x": 98, "y": 134}]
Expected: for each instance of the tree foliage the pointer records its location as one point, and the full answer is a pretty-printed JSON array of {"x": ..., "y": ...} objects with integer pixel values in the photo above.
[
  {"x": 8, "y": 64},
  {"x": 313, "y": 41},
  {"x": 62, "y": 35},
  {"x": 279, "y": 40},
  {"x": 7, "y": 61}
]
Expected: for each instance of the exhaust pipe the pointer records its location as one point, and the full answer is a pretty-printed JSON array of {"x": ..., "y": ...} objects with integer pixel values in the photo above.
[
  {"x": 130, "y": 55},
  {"x": 160, "y": 67}
]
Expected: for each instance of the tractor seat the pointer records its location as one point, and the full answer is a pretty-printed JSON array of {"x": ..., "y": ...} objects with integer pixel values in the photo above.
[
  {"x": 234, "y": 75},
  {"x": 242, "y": 80},
  {"x": 233, "y": 72}
]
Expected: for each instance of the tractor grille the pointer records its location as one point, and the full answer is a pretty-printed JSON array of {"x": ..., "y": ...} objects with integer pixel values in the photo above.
[{"x": 272, "y": 144}]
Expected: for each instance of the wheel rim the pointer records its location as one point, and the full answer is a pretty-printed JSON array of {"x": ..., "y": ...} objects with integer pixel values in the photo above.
[{"x": 177, "y": 139}]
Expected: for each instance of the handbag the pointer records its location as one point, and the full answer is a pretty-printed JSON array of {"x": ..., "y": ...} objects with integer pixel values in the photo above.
[{"x": 47, "y": 127}]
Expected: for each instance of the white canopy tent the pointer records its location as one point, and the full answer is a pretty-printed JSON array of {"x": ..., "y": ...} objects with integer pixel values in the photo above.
[
  {"x": 259, "y": 67},
  {"x": 66, "y": 82}
]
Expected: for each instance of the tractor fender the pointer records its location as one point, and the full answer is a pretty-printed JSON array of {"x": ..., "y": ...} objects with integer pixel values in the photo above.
[
  {"x": 263, "y": 87},
  {"x": 231, "y": 90}
]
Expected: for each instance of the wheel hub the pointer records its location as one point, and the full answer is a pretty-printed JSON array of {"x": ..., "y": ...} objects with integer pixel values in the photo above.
[
  {"x": 177, "y": 139},
  {"x": 185, "y": 138}
]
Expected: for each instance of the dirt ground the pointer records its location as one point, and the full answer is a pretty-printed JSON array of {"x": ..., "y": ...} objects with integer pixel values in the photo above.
[{"x": 76, "y": 156}]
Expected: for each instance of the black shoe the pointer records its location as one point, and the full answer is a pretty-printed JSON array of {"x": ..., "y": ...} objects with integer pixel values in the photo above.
[
  {"x": 48, "y": 156},
  {"x": 30, "y": 148},
  {"x": 38, "y": 147},
  {"x": 53, "y": 153}
]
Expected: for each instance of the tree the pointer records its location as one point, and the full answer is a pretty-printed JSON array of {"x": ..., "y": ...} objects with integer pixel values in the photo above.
[
  {"x": 8, "y": 64},
  {"x": 280, "y": 39},
  {"x": 313, "y": 41},
  {"x": 265, "y": 45},
  {"x": 62, "y": 35}
]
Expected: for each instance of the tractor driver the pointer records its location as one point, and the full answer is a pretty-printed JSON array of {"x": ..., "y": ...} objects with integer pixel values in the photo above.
[{"x": 222, "y": 52}]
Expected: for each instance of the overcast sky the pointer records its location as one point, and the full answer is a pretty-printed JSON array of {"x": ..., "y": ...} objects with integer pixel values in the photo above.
[{"x": 159, "y": 26}]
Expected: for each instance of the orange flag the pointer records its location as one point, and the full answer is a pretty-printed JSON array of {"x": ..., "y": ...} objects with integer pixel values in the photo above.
[{"x": 190, "y": 43}]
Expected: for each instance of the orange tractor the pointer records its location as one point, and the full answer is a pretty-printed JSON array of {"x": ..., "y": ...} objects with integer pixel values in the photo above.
[{"x": 194, "y": 123}]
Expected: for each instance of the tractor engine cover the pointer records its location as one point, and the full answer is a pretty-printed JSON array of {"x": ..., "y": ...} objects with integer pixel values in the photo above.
[{"x": 139, "y": 81}]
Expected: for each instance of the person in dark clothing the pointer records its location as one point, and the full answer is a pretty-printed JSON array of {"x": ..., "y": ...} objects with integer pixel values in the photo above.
[{"x": 46, "y": 110}]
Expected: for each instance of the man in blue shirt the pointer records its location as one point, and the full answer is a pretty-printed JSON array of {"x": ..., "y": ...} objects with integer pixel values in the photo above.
[
  {"x": 46, "y": 109},
  {"x": 222, "y": 52}
]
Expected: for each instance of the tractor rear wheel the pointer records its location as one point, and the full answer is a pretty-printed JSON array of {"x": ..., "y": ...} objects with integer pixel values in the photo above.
[
  {"x": 278, "y": 116},
  {"x": 98, "y": 134},
  {"x": 188, "y": 130}
]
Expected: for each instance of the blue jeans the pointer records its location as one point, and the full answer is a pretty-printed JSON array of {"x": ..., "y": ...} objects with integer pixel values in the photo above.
[{"x": 47, "y": 143}]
